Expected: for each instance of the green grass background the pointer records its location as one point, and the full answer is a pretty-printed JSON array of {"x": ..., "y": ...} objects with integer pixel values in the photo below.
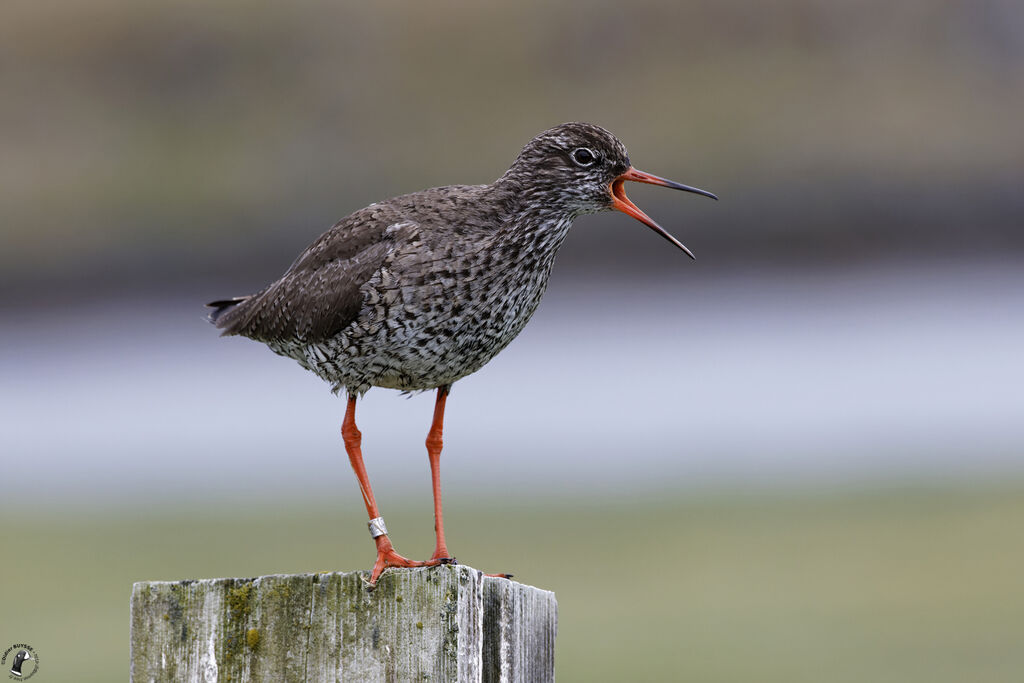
[{"x": 918, "y": 584}]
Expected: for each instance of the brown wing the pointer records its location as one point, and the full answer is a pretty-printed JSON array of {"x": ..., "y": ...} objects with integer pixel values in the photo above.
[{"x": 320, "y": 293}]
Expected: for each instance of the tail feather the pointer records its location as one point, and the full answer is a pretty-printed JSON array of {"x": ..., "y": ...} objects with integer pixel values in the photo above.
[{"x": 217, "y": 315}]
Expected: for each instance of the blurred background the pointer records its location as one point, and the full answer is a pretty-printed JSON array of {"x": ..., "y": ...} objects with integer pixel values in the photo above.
[{"x": 798, "y": 458}]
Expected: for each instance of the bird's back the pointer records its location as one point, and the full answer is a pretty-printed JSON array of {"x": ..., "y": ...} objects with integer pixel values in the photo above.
[{"x": 320, "y": 294}]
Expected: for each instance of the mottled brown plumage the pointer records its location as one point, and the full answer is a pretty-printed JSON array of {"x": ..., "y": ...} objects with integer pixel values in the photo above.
[{"x": 418, "y": 291}]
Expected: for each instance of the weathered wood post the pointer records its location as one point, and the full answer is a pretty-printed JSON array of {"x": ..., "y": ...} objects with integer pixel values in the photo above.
[{"x": 447, "y": 623}]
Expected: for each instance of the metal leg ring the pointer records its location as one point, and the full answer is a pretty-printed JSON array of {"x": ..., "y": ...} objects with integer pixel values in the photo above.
[{"x": 377, "y": 528}]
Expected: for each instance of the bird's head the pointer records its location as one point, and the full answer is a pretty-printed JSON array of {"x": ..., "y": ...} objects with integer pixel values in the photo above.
[{"x": 579, "y": 168}]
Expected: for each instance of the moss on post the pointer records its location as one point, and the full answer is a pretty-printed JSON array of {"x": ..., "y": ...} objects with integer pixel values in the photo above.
[{"x": 447, "y": 623}]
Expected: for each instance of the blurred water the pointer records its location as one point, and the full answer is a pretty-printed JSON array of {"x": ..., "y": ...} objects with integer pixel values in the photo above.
[{"x": 617, "y": 385}]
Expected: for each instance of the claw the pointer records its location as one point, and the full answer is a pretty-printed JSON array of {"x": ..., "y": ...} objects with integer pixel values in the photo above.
[{"x": 387, "y": 557}]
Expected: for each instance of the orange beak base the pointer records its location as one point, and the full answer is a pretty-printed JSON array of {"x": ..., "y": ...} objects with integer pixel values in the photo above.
[{"x": 622, "y": 203}]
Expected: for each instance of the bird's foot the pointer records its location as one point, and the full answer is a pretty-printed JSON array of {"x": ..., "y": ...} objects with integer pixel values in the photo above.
[
  {"x": 442, "y": 556},
  {"x": 388, "y": 557}
]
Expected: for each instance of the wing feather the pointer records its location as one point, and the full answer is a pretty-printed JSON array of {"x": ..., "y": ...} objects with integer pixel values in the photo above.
[{"x": 321, "y": 293}]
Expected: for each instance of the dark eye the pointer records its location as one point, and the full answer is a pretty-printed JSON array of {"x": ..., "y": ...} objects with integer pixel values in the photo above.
[{"x": 584, "y": 157}]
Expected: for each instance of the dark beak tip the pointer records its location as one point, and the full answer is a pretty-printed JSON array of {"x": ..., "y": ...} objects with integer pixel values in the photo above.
[
  {"x": 703, "y": 193},
  {"x": 694, "y": 190}
]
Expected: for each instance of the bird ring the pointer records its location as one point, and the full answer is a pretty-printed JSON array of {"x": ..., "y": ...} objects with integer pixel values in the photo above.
[{"x": 377, "y": 528}]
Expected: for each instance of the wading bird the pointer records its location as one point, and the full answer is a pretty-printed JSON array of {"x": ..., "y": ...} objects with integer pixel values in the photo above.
[{"x": 418, "y": 291}]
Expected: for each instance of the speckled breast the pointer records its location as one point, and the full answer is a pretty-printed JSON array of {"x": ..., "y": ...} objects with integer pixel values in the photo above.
[{"x": 431, "y": 322}]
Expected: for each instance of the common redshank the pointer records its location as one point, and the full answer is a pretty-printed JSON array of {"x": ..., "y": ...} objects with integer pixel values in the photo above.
[{"x": 418, "y": 291}]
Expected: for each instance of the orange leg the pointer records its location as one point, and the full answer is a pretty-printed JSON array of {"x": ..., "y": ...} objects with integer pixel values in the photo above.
[
  {"x": 434, "y": 445},
  {"x": 386, "y": 555}
]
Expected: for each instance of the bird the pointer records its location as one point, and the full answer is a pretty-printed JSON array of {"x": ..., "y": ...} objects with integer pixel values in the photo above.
[
  {"x": 20, "y": 658},
  {"x": 418, "y": 291}
]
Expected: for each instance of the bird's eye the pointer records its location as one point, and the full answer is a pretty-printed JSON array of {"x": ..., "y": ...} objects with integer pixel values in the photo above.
[{"x": 584, "y": 157}]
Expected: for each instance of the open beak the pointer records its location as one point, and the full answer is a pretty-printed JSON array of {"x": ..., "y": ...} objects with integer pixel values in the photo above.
[{"x": 621, "y": 202}]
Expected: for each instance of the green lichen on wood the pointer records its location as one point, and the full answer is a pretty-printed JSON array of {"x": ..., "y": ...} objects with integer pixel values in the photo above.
[
  {"x": 177, "y": 606},
  {"x": 278, "y": 591},
  {"x": 239, "y": 596},
  {"x": 416, "y": 625},
  {"x": 283, "y": 622},
  {"x": 238, "y": 601}
]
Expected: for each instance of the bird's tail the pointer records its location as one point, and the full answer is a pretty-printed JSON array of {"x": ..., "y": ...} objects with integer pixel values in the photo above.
[{"x": 220, "y": 308}]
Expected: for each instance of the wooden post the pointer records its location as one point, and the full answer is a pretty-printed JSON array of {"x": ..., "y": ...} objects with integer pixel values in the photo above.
[{"x": 447, "y": 623}]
